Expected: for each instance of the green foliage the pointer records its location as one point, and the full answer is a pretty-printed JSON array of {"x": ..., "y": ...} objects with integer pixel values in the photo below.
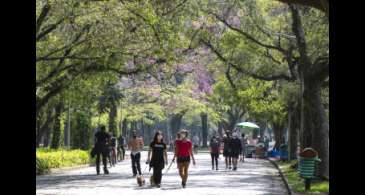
[
  {"x": 96, "y": 45},
  {"x": 297, "y": 183},
  {"x": 46, "y": 159},
  {"x": 138, "y": 105},
  {"x": 101, "y": 119},
  {"x": 111, "y": 96},
  {"x": 258, "y": 98},
  {"x": 81, "y": 130},
  {"x": 42, "y": 166}
]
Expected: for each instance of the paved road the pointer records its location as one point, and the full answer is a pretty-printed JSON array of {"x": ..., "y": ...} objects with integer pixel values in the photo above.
[{"x": 254, "y": 177}]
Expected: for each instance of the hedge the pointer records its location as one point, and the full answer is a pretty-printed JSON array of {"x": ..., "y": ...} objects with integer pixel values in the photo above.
[{"x": 46, "y": 159}]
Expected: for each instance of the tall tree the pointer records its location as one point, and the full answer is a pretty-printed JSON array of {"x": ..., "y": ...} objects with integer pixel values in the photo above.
[
  {"x": 108, "y": 102},
  {"x": 313, "y": 74},
  {"x": 299, "y": 52},
  {"x": 204, "y": 119},
  {"x": 56, "y": 138}
]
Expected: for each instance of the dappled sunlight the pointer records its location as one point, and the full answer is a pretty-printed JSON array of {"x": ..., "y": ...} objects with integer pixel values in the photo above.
[{"x": 252, "y": 177}]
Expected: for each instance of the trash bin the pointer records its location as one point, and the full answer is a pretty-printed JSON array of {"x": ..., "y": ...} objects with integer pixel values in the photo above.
[{"x": 308, "y": 159}]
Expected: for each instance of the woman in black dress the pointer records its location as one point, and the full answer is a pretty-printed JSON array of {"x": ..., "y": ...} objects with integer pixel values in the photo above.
[{"x": 159, "y": 157}]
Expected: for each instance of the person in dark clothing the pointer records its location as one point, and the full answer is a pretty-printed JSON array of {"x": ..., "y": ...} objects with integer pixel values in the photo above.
[
  {"x": 214, "y": 151},
  {"x": 227, "y": 149},
  {"x": 159, "y": 157},
  {"x": 113, "y": 149},
  {"x": 121, "y": 143},
  {"x": 236, "y": 150},
  {"x": 101, "y": 149},
  {"x": 109, "y": 149}
]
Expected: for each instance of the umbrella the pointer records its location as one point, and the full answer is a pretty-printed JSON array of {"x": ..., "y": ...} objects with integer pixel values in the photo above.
[{"x": 248, "y": 125}]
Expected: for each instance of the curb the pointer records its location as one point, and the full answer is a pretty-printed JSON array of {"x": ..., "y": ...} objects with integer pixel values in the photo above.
[
  {"x": 290, "y": 191},
  {"x": 57, "y": 170}
]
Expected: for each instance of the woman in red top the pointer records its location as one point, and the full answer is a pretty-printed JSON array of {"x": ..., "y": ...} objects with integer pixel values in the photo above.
[
  {"x": 177, "y": 138},
  {"x": 183, "y": 151}
]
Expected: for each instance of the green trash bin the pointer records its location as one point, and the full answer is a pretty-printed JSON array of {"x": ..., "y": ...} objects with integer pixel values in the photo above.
[{"x": 308, "y": 160}]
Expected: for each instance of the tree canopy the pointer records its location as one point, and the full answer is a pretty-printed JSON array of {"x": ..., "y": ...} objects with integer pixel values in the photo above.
[{"x": 204, "y": 65}]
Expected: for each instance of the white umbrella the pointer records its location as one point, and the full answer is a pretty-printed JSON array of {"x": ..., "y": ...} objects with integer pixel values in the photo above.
[{"x": 248, "y": 125}]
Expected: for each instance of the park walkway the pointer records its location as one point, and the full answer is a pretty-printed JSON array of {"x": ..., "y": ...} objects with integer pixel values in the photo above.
[{"x": 254, "y": 177}]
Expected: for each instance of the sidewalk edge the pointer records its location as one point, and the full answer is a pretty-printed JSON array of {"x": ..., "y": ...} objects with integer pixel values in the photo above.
[
  {"x": 58, "y": 170},
  {"x": 290, "y": 191}
]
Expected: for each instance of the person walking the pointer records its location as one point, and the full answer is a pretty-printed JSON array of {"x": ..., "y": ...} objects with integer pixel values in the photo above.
[
  {"x": 113, "y": 149},
  {"x": 183, "y": 152},
  {"x": 196, "y": 143},
  {"x": 244, "y": 144},
  {"x": 178, "y": 137},
  {"x": 101, "y": 149},
  {"x": 136, "y": 145},
  {"x": 236, "y": 150},
  {"x": 214, "y": 151},
  {"x": 109, "y": 149},
  {"x": 121, "y": 143},
  {"x": 227, "y": 149},
  {"x": 159, "y": 157}
]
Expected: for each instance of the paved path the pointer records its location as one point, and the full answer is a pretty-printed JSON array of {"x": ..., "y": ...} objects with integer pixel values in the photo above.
[{"x": 253, "y": 177}]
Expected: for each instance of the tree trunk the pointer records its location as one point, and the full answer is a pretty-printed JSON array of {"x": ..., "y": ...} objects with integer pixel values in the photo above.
[
  {"x": 124, "y": 128},
  {"x": 175, "y": 123},
  {"x": 43, "y": 129},
  {"x": 322, "y": 5},
  {"x": 234, "y": 115},
  {"x": 38, "y": 127},
  {"x": 67, "y": 131},
  {"x": 293, "y": 119},
  {"x": 314, "y": 126},
  {"x": 262, "y": 125},
  {"x": 220, "y": 129},
  {"x": 133, "y": 125},
  {"x": 278, "y": 134},
  {"x": 305, "y": 133},
  {"x": 232, "y": 123},
  {"x": 112, "y": 119},
  {"x": 149, "y": 134},
  {"x": 315, "y": 122},
  {"x": 133, "y": 128},
  {"x": 204, "y": 119},
  {"x": 143, "y": 126},
  {"x": 47, "y": 137},
  {"x": 56, "y": 138},
  {"x": 166, "y": 129}
]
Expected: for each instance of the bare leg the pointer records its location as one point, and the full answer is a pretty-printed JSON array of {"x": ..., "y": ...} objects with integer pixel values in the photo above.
[
  {"x": 186, "y": 169},
  {"x": 181, "y": 170}
]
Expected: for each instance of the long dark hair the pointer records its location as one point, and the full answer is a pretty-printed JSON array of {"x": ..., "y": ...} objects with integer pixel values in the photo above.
[{"x": 156, "y": 134}]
